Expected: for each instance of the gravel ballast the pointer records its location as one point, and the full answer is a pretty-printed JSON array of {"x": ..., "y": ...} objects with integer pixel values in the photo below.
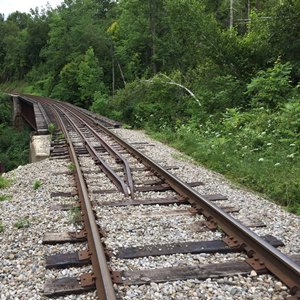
[{"x": 23, "y": 273}]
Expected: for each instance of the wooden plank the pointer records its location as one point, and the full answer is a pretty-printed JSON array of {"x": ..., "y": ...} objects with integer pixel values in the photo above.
[
  {"x": 58, "y": 152},
  {"x": 173, "y": 212},
  {"x": 163, "y": 188},
  {"x": 142, "y": 169},
  {"x": 145, "y": 169},
  {"x": 64, "y": 260},
  {"x": 64, "y": 207},
  {"x": 59, "y": 157},
  {"x": 150, "y": 182},
  {"x": 200, "y": 226},
  {"x": 141, "y": 143},
  {"x": 66, "y": 173},
  {"x": 215, "y": 197},
  {"x": 61, "y": 194},
  {"x": 134, "y": 202},
  {"x": 213, "y": 246},
  {"x": 61, "y": 237},
  {"x": 202, "y": 272},
  {"x": 160, "y": 201},
  {"x": 100, "y": 192},
  {"x": 230, "y": 209},
  {"x": 65, "y": 286}
]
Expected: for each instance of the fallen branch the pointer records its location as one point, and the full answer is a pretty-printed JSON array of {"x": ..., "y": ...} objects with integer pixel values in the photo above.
[{"x": 172, "y": 82}]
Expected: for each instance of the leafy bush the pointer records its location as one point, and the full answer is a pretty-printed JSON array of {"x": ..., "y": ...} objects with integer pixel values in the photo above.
[
  {"x": 216, "y": 90},
  {"x": 100, "y": 104},
  {"x": 5, "y": 109},
  {"x": 289, "y": 124},
  {"x": 155, "y": 103},
  {"x": 14, "y": 144},
  {"x": 272, "y": 87},
  {"x": 14, "y": 147},
  {"x": 51, "y": 128}
]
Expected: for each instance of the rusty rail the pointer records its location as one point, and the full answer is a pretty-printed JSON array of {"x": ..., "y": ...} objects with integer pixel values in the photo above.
[
  {"x": 101, "y": 274},
  {"x": 116, "y": 179},
  {"x": 113, "y": 152}
]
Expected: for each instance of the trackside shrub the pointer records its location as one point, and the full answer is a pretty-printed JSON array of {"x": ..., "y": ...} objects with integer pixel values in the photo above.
[{"x": 272, "y": 87}]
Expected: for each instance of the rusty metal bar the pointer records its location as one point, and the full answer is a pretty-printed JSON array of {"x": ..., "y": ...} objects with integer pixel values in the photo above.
[{"x": 101, "y": 272}]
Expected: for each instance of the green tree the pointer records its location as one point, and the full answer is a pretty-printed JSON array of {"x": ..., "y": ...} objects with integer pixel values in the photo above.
[
  {"x": 74, "y": 27},
  {"x": 67, "y": 88},
  {"x": 89, "y": 78},
  {"x": 285, "y": 32},
  {"x": 14, "y": 62},
  {"x": 80, "y": 79}
]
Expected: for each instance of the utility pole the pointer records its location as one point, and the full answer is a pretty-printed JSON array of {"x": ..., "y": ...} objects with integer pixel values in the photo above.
[
  {"x": 231, "y": 15},
  {"x": 248, "y": 9},
  {"x": 152, "y": 20}
]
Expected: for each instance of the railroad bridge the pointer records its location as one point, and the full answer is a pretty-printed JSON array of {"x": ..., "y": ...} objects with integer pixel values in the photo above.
[{"x": 28, "y": 111}]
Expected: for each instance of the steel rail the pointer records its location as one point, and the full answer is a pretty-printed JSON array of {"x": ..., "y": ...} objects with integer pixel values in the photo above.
[
  {"x": 275, "y": 261},
  {"x": 102, "y": 119},
  {"x": 111, "y": 150},
  {"x": 116, "y": 179},
  {"x": 101, "y": 273}
]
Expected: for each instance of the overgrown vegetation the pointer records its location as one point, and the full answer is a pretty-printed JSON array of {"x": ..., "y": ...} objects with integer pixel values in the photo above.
[
  {"x": 75, "y": 215},
  {"x": 71, "y": 167},
  {"x": 226, "y": 95},
  {"x": 1, "y": 227},
  {"x": 14, "y": 144},
  {"x": 5, "y": 197},
  {"x": 22, "y": 223},
  {"x": 51, "y": 128},
  {"x": 37, "y": 184},
  {"x": 4, "y": 182}
]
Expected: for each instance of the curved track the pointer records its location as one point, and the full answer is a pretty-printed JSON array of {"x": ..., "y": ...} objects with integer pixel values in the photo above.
[{"x": 122, "y": 164}]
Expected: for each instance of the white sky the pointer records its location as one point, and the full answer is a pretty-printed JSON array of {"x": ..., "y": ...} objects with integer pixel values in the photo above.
[{"x": 9, "y": 6}]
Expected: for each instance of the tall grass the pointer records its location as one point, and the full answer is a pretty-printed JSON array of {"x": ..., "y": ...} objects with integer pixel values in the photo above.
[{"x": 249, "y": 149}]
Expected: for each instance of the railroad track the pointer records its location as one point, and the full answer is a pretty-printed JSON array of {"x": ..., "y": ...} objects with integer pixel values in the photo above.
[{"x": 120, "y": 190}]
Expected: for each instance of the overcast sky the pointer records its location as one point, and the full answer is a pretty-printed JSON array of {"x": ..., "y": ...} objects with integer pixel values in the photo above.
[{"x": 9, "y": 6}]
